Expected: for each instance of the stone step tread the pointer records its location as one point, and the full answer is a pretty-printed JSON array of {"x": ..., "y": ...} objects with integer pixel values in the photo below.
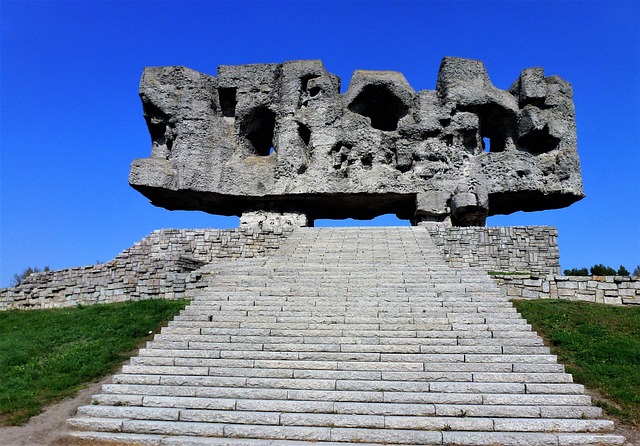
[
  {"x": 365, "y": 286},
  {"x": 441, "y": 307},
  {"x": 323, "y": 298},
  {"x": 365, "y": 383},
  {"x": 341, "y": 434},
  {"x": 475, "y": 304},
  {"x": 390, "y": 362},
  {"x": 480, "y": 374},
  {"x": 367, "y": 315},
  {"x": 371, "y": 396},
  {"x": 346, "y": 420},
  {"x": 339, "y": 336},
  {"x": 478, "y": 377},
  {"x": 345, "y": 344},
  {"x": 366, "y": 408},
  {"x": 427, "y": 343},
  {"x": 160, "y": 440},
  {"x": 411, "y": 320},
  {"x": 333, "y": 360},
  {"x": 419, "y": 337},
  {"x": 368, "y": 354},
  {"x": 314, "y": 304},
  {"x": 293, "y": 367},
  {"x": 431, "y": 345},
  {"x": 195, "y": 326}
]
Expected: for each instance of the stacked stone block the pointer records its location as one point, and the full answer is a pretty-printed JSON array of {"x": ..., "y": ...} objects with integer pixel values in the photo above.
[
  {"x": 615, "y": 290},
  {"x": 163, "y": 265},
  {"x": 531, "y": 249}
]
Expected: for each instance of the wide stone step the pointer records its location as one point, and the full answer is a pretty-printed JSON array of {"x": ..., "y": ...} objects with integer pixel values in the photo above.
[
  {"x": 427, "y": 337},
  {"x": 355, "y": 382},
  {"x": 438, "y": 393},
  {"x": 425, "y": 423},
  {"x": 157, "y": 440},
  {"x": 358, "y": 352},
  {"x": 364, "y": 408},
  {"x": 341, "y": 330},
  {"x": 338, "y": 380},
  {"x": 340, "y": 434},
  {"x": 385, "y": 324}
]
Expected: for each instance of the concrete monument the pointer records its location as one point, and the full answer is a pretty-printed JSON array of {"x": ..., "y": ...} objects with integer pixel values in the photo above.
[{"x": 282, "y": 138}]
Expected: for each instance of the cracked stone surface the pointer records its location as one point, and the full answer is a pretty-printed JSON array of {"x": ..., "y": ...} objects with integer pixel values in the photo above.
[{"x": 282, "y": 138}]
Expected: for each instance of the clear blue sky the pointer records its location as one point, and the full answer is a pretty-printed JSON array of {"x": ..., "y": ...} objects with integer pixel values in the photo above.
[{"x": 72, "y": 120}]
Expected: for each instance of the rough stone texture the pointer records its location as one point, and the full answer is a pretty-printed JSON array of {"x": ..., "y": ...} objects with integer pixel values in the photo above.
[
  {"x": 281, "y": 138},
  {"x": 162, "y": 265},
  {"x": 616, "y": 290},
  {"x": 530, "y": 249}
]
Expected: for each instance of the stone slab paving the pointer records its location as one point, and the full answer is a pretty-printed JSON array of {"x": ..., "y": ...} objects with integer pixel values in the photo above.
[{"x": 346, "y": 336}]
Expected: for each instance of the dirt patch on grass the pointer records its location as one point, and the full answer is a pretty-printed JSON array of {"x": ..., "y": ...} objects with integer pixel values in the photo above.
[{"x": 50, "y": 426}]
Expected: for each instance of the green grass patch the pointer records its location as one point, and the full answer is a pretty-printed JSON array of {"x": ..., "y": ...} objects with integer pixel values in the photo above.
[
  {"x": 599, "y": 345},
  {"x": 48, "y": 355}
]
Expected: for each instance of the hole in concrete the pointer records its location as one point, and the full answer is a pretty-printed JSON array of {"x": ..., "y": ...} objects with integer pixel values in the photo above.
[
  {"x": 313, "y": 92},
  {"x": 305, "y": 81},
  {"x": 448, "y": 139},
  {"x": 258, "y": 127},
  {"x": 157, "y": 125},
  {"x": 492, "y": 138},
  {"x": 307, "y": 92},
  {"x": 305, "y": 133},
  {"x": 486, "y": 144},
  {"x": 539, "y": 141},
  {"x": 227, "y": 101},
  {"x": 496, "y": 123},
  {"x": 367, "y": 161},
  {"x": 381, "y": 106}
]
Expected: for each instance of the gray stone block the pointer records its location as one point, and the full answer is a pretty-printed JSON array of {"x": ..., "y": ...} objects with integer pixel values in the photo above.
[
  {"x": 494, "y": 438},
  {"x": 551, "y": 425},
  {"x": 279, "y": 432},
  {"x": 589, "y": 439},
  {"x": 386, "y": 436}
]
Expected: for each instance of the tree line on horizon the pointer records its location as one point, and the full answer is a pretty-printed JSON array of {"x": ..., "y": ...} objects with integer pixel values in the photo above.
[{"x": 601, "y": 270}]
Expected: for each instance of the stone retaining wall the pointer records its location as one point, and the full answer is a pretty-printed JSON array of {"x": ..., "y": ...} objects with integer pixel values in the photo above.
[
  {"x": 162, "y": 265},
  {"x": 616, "y": 290},
  {"x": 165, "y": 265},
  {"x": 531, "y": 249}
]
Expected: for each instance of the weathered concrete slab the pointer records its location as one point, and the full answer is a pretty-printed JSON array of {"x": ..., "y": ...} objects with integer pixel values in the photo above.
[{"x": 282, "y": 138}]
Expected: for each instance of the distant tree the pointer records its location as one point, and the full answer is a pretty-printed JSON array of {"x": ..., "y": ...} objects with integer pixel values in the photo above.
[
  {"x": 576, "y": 272},
  {"x": 601, "y": 270},
  {"x": 636, "y": 272},
  {"x": 622, "y": 271},
  {"x": 18, "y": 279}
]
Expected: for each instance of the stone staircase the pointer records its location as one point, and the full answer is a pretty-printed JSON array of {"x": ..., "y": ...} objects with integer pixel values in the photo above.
[{"x": 346, "y": 336}]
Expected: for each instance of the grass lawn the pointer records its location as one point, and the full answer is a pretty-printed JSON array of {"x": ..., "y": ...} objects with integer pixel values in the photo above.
[
  {"x": 599, "y": 345},
  {"x": 47, "y": 355}
]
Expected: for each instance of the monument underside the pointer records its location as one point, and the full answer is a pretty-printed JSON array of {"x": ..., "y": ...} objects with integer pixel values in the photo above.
[{"x": 281, "y": 138}]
